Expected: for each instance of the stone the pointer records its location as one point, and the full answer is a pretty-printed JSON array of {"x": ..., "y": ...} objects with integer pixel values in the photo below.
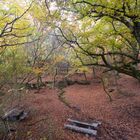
[{"x": 15, "y": 115}]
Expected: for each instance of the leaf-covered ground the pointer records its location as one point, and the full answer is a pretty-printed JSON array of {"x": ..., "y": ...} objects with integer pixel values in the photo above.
[{"x": 120, "y": 118}]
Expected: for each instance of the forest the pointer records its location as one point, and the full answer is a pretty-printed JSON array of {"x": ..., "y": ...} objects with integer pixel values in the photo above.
[{"x": 69, "y": 69}]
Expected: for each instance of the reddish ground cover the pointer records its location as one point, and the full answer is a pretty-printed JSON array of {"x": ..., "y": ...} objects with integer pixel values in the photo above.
[{"x": 120, "y": 118}]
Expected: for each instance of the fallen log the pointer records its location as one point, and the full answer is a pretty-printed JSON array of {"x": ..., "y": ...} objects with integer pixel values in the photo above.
[
  {"x": 84, "y": 124},
  {"x": 81, "y": 130}
]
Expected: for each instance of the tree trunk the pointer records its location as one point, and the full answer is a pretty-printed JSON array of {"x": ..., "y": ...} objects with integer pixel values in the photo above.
[
  {"x": 104, "y": 88},
  {"x": 136, "y": 31},
  {"x": 85, "y": 76},
  {"x": 54, "y": 79},
  {"x": 93, "y": 71}
]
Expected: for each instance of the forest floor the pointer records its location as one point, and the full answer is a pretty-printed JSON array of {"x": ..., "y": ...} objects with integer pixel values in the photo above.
[{"x": 48, "y": 114}]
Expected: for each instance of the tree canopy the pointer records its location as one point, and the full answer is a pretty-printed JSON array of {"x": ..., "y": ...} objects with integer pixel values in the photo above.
[
  {"x": 107, "y": 32},
  {"x": 102, "y": 33}
]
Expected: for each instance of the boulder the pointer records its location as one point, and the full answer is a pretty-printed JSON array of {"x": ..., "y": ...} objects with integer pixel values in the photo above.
[
  {"x": 15, "y": 115},
  {"x": 83, "y": 82},
  {"x": 62, "y": 84},
  {"x": 70, "y": 82}
]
